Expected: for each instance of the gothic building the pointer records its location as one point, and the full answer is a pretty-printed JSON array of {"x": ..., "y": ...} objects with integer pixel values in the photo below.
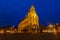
[{"x": 31, "y": 21}]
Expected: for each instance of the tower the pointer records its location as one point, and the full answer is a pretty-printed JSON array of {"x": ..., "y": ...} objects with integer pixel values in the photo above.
[{"x": 31, "y": 21}]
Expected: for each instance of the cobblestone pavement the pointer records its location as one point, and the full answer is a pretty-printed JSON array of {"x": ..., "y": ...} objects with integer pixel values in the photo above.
[{"x": 27, "y": 36}]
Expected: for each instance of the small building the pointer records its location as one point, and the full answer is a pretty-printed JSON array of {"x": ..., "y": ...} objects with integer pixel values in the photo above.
[
  {"x": 57, "y": 26},
  {"x": 9, "y": 29},
  {"x": 1, "y": 30},
  {"x": 52, "y": 29}
]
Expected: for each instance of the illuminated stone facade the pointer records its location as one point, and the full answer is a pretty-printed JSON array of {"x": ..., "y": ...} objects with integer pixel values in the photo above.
[{"x": 31, "y": 21}]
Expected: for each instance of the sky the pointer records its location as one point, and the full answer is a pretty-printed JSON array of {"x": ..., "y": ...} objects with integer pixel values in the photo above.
[{"x": 13, "y": 11}]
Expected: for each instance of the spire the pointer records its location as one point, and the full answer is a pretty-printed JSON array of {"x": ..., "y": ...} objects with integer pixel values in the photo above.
[{"x": 32, "y": 9}]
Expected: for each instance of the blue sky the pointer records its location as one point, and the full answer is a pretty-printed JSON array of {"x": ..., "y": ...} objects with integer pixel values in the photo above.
[{"x": 13, "y": 11}]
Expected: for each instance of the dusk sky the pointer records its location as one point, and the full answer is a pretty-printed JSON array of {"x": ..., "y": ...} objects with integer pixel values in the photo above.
[{"x": 13, "y": 11}]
